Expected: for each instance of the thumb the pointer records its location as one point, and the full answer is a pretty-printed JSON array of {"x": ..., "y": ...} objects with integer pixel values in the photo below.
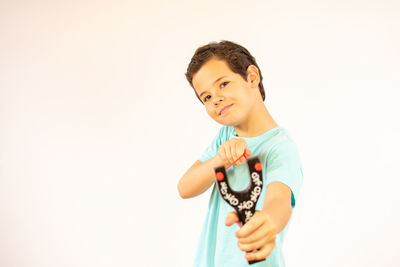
[
  {"x": 247, "y": 153},
  {"x": 231, "y": 218}
]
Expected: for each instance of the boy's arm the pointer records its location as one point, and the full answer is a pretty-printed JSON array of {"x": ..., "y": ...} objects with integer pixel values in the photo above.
[
  {"x": 201, "y": 175},
  {"x": 198, "y": 178},
  {"x": 277, "y": 204}
]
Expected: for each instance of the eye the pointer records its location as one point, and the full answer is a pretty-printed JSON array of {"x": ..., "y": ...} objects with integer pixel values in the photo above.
[
  {"x": 223, "y": 84},
  {"x": 206, "y": 98}
]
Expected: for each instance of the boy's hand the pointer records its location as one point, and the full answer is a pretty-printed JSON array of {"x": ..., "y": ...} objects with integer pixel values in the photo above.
[
  {"x": 233, "y": 149},
  {"x": 258, "y": 233}
]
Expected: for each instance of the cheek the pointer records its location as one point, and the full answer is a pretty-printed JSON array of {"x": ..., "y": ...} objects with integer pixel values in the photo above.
[{"x": 210, "y": 111}]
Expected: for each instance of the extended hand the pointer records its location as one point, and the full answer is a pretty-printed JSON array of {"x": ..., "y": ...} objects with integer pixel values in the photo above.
[{"x": 259, "y": 233}]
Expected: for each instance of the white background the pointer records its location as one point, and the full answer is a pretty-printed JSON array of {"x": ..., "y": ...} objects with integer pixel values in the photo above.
[{"x": 98, "y": 123}]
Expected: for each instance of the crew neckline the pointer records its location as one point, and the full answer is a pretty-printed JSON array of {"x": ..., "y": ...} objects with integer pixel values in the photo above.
[{"x": 263, "y": 135}]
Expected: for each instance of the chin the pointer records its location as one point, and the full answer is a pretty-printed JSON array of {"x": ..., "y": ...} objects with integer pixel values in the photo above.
[{"x": 227, "y": 122}]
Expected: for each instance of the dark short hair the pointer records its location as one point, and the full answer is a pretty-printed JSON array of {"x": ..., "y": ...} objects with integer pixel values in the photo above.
[{"x": 236, "y": 56}]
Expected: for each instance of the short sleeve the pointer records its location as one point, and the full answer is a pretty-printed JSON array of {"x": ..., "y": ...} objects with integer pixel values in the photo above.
[{"x": 284, "y": 165}]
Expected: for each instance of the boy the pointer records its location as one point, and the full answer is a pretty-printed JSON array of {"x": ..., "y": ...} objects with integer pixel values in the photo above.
[{"x": 227, "y": 80}]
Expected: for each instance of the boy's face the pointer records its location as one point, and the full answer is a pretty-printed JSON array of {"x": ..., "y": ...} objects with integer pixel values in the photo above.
[{"x": 227, "y": 97}]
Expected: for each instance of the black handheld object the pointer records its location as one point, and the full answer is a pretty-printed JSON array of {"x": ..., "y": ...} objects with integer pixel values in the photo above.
[{"x": 244, "y": 202}]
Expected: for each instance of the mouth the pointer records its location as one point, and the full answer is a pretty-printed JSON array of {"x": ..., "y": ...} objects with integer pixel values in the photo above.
[{"x": 224, "y": 109}]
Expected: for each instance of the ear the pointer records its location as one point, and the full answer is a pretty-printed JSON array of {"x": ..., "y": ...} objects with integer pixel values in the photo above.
[{"x": 253, "y": 76}]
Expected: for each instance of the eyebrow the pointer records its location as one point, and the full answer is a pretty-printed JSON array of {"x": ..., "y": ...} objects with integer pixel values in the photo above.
[{"x": 213, "y": 84}]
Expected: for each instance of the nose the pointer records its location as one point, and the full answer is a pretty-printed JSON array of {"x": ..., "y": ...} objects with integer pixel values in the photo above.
[{"x": 218, "y": 99}]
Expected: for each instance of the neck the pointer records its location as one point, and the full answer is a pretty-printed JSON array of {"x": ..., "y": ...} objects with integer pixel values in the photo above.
[{"x": 259, "y": 122}]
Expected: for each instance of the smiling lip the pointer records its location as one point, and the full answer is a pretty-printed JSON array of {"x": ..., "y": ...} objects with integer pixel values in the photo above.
[{"x": 224, "y": 109}]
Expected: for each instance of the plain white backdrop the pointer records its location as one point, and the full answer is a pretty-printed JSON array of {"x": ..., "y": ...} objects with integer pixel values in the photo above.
[{"x": 98, "y": 123}]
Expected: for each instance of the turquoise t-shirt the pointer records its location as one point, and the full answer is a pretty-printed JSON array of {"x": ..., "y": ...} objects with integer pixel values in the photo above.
[{"x": 218, "y": 243}]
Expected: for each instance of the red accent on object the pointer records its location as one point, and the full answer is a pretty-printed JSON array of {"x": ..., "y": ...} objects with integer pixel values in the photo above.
[
  {"x": 244, "y": 154},
  {"x": 258, "y": 166},
  {"x": 220, "y": 176}
]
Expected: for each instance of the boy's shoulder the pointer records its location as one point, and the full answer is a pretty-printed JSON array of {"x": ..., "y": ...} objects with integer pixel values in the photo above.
[{"x": 224, "y": 134}]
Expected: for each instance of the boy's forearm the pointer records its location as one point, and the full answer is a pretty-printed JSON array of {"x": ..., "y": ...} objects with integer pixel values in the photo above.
[
  {"x": 278, "y": 205},
  {"x": 198, "y": 178}
]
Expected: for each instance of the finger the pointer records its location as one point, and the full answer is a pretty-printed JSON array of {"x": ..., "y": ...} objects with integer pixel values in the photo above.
[
  {"x": 258, "y": 239},
  {"x": 257, "y": 244},
  {"x": 241, "y": 160},
  {"x": 267, "y": 228},
  {"x": 261, "y": 254},
  {"x": 238, "y": 151},
  {"x": 265, "y": 231},
  {"x": 252, "y": 225},
  {"x": 227, "y": 154},
  {"x": 247, "y": 153},
  {"x": 221, "y": 153},
  {"x": 232, "y": 153},
  {"x": 231, "y": 218}
]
